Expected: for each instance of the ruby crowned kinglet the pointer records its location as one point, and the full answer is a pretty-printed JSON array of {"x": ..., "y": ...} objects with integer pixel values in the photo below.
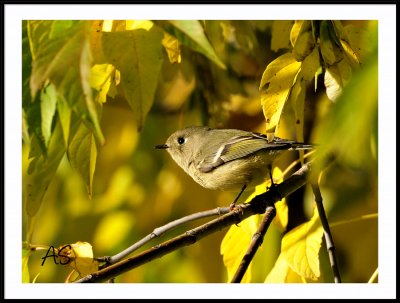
[{"x": 226, "y": 159}]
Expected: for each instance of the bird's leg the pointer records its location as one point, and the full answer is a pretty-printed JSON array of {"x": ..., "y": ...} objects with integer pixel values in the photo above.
[
  {"x": 232, "y": 205},
  {"x": 270, "y": 175},
  {"x": 273, "y": 186}
]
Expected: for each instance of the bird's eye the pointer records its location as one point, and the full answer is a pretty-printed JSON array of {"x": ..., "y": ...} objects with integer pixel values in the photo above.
[{"x": 181, "y": 140}]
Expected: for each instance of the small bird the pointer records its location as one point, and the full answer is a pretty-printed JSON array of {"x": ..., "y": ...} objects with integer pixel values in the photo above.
[{"x": 226, "y": 159}]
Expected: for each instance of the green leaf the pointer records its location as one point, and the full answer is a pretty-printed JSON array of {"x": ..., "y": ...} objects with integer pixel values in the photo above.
[
  {"x": 26, "y": 66},
  {"x": 274, "y": 97},
  {"x": 42, "y": 169},
  {"x": 33, "y": 116},
  {"x": 26, "y": 252},
  {"x": 61, "y": 54},
  {"x": 349, "y": 130},
  {"x": 301, "y": 245},
  {"x": 137, "y": 54},
  {"x": 195, "y": 38},
  {"x": 82, "y": 154},
  {"x": 64, "y": 114},
  {"x": 48, "y": 101},
  {"x": 281, "y": 34}
]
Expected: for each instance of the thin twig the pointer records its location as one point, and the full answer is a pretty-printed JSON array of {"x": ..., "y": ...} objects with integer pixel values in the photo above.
[
  {"x": 255, "y": 243},
  {"x": 157, "y": 232},
  {"x": 256, "y": 206},
  {"x": 327, "y": 232}
]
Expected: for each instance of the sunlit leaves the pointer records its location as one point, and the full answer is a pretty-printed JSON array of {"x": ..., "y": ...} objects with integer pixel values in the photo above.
[
  {"x": 137, "y": 54},
  {"x": 302, "y": 40},
  {"x": 274, "y": 97},
  {"x": 300, "y": 248},
  {"x": 336, "y": 77},
  {"x": 282, "y": 273},
  {"x": 195, "y": 38},
  {"x": 235, "y": 244},
  {"x": 274, "y": 67},
  {"x": 238, "y": 238},
  {"x": 101, "y": 79},
  {"x": 171, "y": 45}
]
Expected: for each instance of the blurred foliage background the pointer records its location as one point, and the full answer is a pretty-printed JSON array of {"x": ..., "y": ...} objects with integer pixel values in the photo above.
[{"x": 134, "y": 188}]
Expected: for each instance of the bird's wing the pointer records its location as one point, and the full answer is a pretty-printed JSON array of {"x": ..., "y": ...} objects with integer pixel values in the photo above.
[{"x": 239, "y": 147}]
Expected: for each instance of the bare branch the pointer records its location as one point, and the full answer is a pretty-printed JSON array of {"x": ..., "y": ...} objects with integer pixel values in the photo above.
[
  {"x": 157, "y": 232},
  {"x": 327, "y": 232},
  {"x": 256, "y": 206},
  {"x": 255, "y": 243}
]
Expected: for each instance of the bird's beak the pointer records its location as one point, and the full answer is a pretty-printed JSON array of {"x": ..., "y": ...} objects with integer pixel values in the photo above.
[{"x": 162, "y": 146}]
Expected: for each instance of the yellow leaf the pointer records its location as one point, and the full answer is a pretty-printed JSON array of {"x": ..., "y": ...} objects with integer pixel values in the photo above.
[
  {"x": 100, "y": 80},
  {"x": 310, "y": 65},
  {"x": 237, "y": 240},
  {"x": 282, "y": 273},
  {"x": 80, "y": 257},
  {"x": 297, "y": 97},
  {"x": 171, "y": 45},
  {"x": 294, "y": 33},
  {"x": 282, "y": 211},
  {"x": 96, "y": 32},
  {"x": 274, "y": 67},
  {"x": 304, "y": 43},
  {"x": 336, "y": 77},
  {"x": 330, "y": 52},
  {"x": 300, "y": 248},
  {"x": 358, "y": 40},
  {"x": 136, "y": 24},
  {"x": 281, "y": 34},
  {"x": 274, "y": 97},
  {"x": 107, "y": 25},
  {"x": 235, "y": 244}
]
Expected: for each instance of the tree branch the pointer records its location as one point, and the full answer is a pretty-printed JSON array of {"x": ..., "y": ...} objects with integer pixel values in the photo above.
[
  {"x": 255, "y": 243},
  {"x": 157, "y": 232},
  {"x": 327, "y": 232},
  {"x": 256, "y": 206}
]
